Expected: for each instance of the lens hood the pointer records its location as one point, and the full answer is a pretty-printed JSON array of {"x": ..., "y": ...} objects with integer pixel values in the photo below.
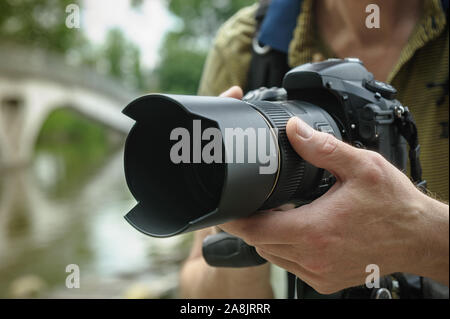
[{"x": 171, "y": 201}]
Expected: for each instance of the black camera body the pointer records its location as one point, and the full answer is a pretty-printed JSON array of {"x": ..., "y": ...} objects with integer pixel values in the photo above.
[
  {"x": 363, "y": 113},
  {"x": 336, "y": 96}
]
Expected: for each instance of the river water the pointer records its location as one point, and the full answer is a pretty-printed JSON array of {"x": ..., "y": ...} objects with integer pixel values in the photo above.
[{"x": 48, "y": 221}]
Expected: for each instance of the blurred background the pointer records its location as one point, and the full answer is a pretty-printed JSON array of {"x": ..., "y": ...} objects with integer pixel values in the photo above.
[{"x": 62, "y": 88}]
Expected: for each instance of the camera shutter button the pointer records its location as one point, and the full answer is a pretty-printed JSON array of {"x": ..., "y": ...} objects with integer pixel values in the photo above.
[{"x": 387, "y": 91}]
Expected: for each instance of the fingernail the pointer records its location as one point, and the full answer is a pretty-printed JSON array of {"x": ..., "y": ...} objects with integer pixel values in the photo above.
[
  {"x": 303, "y": 130},
  {"x": 226, "y": 93}
]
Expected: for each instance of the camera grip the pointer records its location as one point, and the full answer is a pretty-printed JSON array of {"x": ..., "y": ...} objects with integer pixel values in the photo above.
[{"x": 225, "y": 250}]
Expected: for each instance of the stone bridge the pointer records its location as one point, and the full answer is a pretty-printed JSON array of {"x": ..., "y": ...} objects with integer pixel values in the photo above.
[{"x": 33, "y": 83}]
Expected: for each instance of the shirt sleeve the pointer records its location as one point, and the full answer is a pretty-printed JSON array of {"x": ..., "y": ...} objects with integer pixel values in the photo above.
[{"x": 228, "y": 60}]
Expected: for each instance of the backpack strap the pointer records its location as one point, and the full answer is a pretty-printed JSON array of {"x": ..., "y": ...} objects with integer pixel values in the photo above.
[
  {"x": 267, "y": 70},
  {"x": 276, "y": 21},
  {"x": 278, "y": 26}
]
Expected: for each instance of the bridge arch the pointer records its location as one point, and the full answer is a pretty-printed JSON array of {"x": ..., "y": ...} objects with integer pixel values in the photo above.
[{"x": 34, "y": 83}]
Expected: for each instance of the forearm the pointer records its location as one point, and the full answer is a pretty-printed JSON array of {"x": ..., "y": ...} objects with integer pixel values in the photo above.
[
  {"x": 434, "y": 242},
  {"x": 199, "y": 280}
]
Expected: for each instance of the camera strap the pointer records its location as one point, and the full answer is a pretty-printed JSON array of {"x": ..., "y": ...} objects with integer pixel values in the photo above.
[{"x": 408, "y": 129}]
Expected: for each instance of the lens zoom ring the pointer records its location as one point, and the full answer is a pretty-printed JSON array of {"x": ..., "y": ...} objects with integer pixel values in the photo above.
[{"x": 291, "y": 165}]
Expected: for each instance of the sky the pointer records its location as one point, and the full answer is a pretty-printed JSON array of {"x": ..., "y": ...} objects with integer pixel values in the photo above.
[{"x": 145, "y": 26}]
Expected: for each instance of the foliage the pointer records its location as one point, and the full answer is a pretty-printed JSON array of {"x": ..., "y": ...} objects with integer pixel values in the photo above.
[
  {"x": 123, "y": 59},
  {"x": 202, "y": 18},
  {"x": 184, "y": 51},
  {"x": 180, "y": 68},
  {"x": 39, "y": 23}
]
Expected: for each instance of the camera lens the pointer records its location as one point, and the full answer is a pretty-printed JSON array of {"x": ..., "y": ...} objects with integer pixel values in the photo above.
[
  {"x": 174, "y": 197},
  {"x": 204, "y": 182},
  {"x": 298, "y": 181},
  {"x": 247, "y": 175}
]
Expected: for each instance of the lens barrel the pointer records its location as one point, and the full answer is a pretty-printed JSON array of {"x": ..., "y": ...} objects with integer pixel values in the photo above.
[
  {"x": 179, "y": 197},
  {"x": 298, "y": 180}
]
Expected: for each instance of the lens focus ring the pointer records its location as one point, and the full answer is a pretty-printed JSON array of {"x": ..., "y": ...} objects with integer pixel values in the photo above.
[{"x": 292, "y": 166}]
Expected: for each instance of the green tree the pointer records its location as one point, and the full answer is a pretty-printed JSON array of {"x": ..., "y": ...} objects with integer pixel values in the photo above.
[
  {"x": 123, "y": 59},
  {"x": 39, "y": 23},
  {"x": 184, "y": 51},
  {"x": 42, "y": 24},
  {"x": 180, "y": 68},
  {"x": 202, "y": 18}
]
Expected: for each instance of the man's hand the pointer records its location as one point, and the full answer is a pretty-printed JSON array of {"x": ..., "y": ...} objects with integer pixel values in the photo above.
[
  {"x": 234, "y": 92},
  {"x": 372, "y": 215}
]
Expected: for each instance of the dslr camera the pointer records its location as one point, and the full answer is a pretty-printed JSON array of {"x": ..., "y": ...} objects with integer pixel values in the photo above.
[{"x": 180, "y": 161}]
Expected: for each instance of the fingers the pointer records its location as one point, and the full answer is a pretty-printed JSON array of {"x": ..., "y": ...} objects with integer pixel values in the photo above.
[
  {"x": 281, "y": 208},
  {"x": 234, "y": 92},
  {"x": 322, "y": 149},
  {"x": 294, "y": 268},
  {"x": 273, "y": 227},
  {"x": 286, "y": 251}
]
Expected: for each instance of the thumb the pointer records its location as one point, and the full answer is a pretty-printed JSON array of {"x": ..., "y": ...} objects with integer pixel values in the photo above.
[
  {"x": 234, "y": 92},
  {"x": 322, "y": 149}
]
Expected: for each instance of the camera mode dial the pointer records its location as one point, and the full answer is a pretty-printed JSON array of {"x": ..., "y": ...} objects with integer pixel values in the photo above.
[{"x": 387, "y": 91}]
